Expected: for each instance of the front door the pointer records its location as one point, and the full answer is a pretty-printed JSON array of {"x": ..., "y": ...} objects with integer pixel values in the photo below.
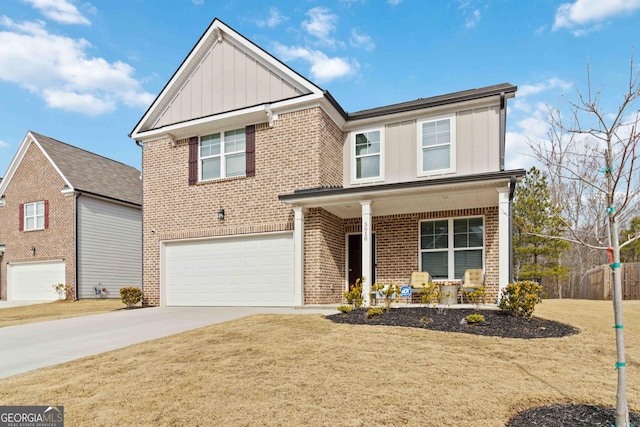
[{"x": 354, "y": 259}]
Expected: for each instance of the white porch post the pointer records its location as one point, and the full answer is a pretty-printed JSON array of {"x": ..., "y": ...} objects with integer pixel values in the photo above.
[
  {"x": 503, "y": 239},
  {"x": 298, "y": 255},
  {"x": 366, "y": 251}
]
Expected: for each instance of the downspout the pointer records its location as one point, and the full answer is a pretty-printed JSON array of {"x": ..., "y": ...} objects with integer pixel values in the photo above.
[
  {"x": 512, "y": 189},
  {"x": 503, "y": 128},
  {"x": 75, "y": 244},
  {"x": 141, "y": 145}
]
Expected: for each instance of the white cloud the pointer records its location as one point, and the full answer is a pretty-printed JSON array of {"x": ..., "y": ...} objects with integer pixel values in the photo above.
[
  {"x": 591, "y": 13},
  {"x": 522, "y": 103},
  {"x": 323, "y": 68},
  {"x": 274, "y": 18},
  {"x": 4, "y": 144},
  {"x": 473, "y": 19},
  {"x": 362, "y": 40},
  {"x": 322, "y": 24},
  {"x": 58, "y": 69},
  {"x": 198, "y": 2},
  {"x": 61, "y": 11},
  {"x": 394, "y": 2}
]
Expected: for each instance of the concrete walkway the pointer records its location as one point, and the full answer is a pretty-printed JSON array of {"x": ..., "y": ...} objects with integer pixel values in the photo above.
[{"x": 24, "y": 348}]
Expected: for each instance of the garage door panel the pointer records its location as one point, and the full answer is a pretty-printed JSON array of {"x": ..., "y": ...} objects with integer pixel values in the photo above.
[
  {"x": 248, "y": 270},
  {"x": 35, "y": 281}
]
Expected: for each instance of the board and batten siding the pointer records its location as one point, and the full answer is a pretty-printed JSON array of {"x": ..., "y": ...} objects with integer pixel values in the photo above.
[
  {"x": 109, "y": 247},
  {"x": 477, "y": 145}
]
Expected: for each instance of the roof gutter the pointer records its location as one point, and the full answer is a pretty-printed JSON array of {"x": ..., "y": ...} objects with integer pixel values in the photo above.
[{"x": 503, "y": 128}]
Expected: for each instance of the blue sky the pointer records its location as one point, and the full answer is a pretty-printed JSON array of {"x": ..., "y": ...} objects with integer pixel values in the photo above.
[{"x": 85, "y": 72}]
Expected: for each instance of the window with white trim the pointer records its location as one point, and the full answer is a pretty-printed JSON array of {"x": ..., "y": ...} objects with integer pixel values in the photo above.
[
  {"x": 34, "y": 216},
  {"x": 436, "y": 145},
  {"x": 450, "y": 246},
  {"x": 222, "y": 154},
  {"x": 367, "y": 149}
]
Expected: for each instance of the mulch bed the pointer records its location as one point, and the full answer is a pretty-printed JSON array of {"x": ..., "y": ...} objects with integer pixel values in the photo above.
[{"x": 496, "y": 324}]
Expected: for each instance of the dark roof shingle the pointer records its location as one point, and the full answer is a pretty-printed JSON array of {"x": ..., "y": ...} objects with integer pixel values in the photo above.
[{"x": 92, "y": 173}]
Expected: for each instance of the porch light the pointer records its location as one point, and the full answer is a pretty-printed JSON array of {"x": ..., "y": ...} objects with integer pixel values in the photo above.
[
  {"x": 33, "y": 250},
  {"x": 221, "y": 214},
  {"x": 2, "y": 249}
]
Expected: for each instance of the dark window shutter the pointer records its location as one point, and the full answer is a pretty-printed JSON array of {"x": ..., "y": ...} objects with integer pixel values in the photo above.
[
  {"x": 250, "y": 134},
  {"x": 46, "y": 214},
  {"x": 193, "y": 160},
  {"x": 21, "y": 217}
]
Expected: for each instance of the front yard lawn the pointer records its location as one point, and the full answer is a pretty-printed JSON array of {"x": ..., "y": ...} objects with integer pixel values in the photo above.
[
  {"x": 304, "y": 370},
  {"x": 24, "y": 314}
]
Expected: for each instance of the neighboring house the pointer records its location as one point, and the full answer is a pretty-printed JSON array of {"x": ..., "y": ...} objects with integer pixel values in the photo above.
[
  {"x": 68, "y": 216},
  {"x": 261, "y": 190}
]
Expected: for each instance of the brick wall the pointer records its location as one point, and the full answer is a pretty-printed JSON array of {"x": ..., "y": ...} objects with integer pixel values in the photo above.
[
  {"x": 289, "y": 156},
  {"x": 36, "y": 180}
]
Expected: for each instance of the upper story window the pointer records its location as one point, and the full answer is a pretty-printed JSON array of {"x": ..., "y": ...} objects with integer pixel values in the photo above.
[
  {"x": 34, "y": 216},
  {"x": 436, "y": 145},
  {"x": 223, "y": 154},
  {"x": 367, "y": 149},
  {"x": 450, "y": 246}
]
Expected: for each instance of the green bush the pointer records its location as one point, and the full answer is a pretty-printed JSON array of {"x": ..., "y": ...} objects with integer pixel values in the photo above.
[
  {"x": 345, "y": 309},
  {"x": 390, "y": 293},
  {"x": 475, "y": 318},
  {"x": 65, "y": 292},
  {"x": 519, "y": 299},
  {"x": 477, "y": 296},
  {"x": 374, "y": 311},
  {"x": 130, "y": 296},
  {"x": 354, "y": 296}
]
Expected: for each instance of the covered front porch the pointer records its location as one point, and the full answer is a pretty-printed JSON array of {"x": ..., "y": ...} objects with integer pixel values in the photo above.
[{"x": 385, "y": 232}]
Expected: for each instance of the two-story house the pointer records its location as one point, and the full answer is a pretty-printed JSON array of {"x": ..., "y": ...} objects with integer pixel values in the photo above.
[
  {"x": 68, "y": 216},
  {"x": 259, "y": 189}
]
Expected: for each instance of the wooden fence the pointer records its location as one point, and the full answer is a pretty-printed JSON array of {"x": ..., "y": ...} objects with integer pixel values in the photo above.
[{"x": 596, "y": 283}]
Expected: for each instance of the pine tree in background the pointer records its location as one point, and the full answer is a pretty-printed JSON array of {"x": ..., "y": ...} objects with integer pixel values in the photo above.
[
  {"x": 537, "y": 257},
  {"x": 631, "y": 253}
]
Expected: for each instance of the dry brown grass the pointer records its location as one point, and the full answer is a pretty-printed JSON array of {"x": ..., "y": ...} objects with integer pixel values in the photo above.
[
  {"x": 303, "y": 370},
  {"x": 21, "y": 315}
]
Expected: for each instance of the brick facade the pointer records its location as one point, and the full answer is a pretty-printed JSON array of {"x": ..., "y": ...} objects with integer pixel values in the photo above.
[
  {"x": 295, "y": 153},
  {"x": 36, "y": 180}
]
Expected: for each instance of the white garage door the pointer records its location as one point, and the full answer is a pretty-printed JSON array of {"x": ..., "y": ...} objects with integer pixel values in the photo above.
[
  {"x": 252, "y": 270},
  {"x": 34, "y": 281}
]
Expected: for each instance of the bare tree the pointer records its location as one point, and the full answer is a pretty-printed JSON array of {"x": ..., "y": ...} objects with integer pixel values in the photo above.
[{"x": 592, "y": 159}]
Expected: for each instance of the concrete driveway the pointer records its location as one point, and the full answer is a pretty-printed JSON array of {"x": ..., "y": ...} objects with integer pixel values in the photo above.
[{"x": 27, "y": 347}]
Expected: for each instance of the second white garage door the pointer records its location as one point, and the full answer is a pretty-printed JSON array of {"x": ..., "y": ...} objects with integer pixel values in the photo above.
[
  {"x": 256, "y": 270},
  {"x": 34, "y": 281}
]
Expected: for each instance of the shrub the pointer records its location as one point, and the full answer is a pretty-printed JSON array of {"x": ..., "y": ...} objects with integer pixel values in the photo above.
[
  {"x": 354, "y": 296},
  {"x": 477, "y": 296},
  {"x": 519, "y": 299},
  {"x": 345, "y": 309},
  {"x": 429, "y": 293},
  {"x": 475, "y": 318},
  {"x": 65, "y": 292},
  {"x": 390, "y": 293},
  {"x": 130, "y": 296},
  {"x": 374, "y": 311}
]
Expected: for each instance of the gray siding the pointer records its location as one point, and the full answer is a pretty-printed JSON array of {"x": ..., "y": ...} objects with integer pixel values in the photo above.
[
  {"x": 109, "y": 247},
  {"x": 477, "y": 145}
]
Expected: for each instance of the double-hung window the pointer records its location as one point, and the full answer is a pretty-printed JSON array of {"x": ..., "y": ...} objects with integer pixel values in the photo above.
[
  {"x": 436, "y": 145},
  {"x": 367, "y": 149},
  {"x": 450, "y": 246},
  {"x": 34, "y": 216},
  {"x": 223, "y": 154}
]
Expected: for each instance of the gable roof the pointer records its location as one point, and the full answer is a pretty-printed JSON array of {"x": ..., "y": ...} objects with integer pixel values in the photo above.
[
  {"x": 82, "y": 170},
  {"x": 258, "y": 84}
]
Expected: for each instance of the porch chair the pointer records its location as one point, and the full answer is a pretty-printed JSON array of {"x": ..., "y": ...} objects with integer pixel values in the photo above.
[
  {"x": 418, "y": 278},
  {"x": 472, "y": 280}
]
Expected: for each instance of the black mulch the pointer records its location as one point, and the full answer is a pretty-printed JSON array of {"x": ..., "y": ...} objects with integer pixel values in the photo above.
[
  {"x": 495, "y": 323},
  {"x": 500, "y": 325}
]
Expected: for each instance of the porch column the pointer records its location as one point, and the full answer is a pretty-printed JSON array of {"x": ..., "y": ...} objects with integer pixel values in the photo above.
[
  {"x": 503, "y": 239},
  {"x": 298, "y": 256},
  {"x": 366, "y": 251}
]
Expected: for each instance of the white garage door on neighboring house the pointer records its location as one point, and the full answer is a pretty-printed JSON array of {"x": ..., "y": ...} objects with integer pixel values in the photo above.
[
  {"x": 34, "y": 281},
  {"x": 255, "y": 270}
]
